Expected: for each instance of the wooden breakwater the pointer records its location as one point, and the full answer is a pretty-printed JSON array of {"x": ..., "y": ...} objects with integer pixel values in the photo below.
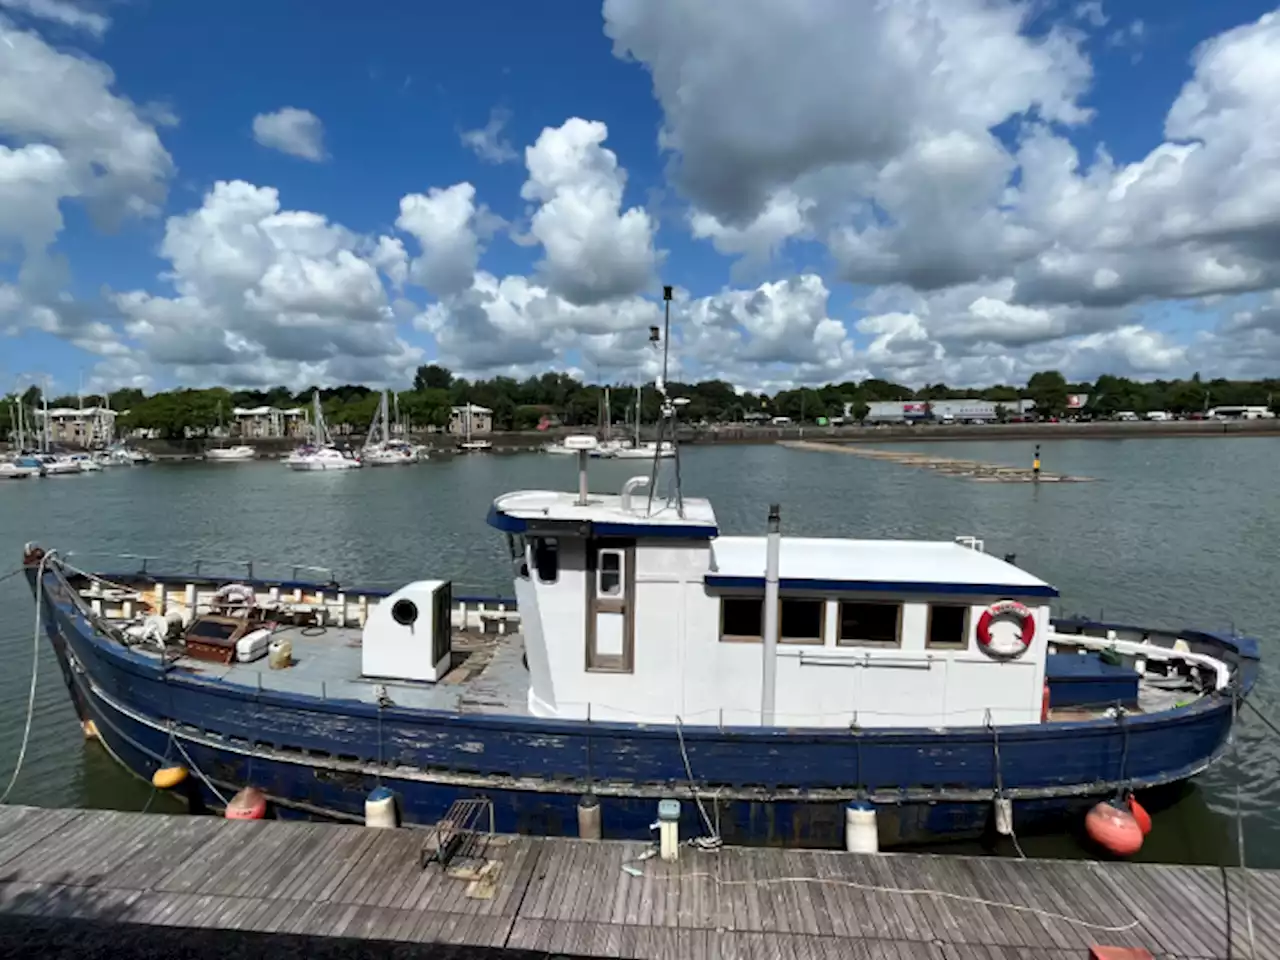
[
  {"x": 949, "y": 466},
  {"x": 598, "y": 898}
]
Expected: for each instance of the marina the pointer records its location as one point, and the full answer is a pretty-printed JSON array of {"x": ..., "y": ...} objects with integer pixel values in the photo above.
[
  {"x": 476, "y": 475},
  {"x": 601, "y": 898},
  {"x": 912, "y": 691}
]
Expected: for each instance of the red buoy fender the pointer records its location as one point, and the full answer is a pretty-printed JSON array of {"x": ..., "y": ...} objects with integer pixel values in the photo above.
[
  {"x": 249, "y": 804},
  {"x": 1114, "y": 829},
  {"x": 1006, "y": 610}
]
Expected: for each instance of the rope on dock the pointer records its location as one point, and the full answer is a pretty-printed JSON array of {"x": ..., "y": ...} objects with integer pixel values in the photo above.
[
  {"x": 713, "y": 840},
  {"x": 35, "y": 673},
  {"x": 909, "y": 892}
]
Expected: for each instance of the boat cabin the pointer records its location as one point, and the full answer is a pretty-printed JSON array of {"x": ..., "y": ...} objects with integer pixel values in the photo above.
[{"x": 642, "y": 612}]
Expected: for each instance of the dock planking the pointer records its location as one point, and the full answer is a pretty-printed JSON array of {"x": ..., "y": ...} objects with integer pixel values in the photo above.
[{"x": 586, "y": 899}]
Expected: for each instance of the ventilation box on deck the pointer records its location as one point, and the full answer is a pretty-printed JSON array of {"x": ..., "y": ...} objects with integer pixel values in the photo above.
[{"x": 408, "y": 634}]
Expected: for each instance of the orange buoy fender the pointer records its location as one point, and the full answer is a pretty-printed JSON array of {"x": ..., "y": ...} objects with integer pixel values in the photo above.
[
  {"x": 166, "y": 778},
  {"x": 1114, "y": 829},
  {"x": 1044, "y": 704},
  {"x": 1139, "y": 813},
  {"x": 249, "y": 804}
]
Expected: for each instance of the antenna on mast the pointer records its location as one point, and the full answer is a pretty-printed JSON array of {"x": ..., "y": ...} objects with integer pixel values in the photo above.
[{"x": 668, "y": 409}]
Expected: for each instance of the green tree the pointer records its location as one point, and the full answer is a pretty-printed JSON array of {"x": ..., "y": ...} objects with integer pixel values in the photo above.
[
  {"x": 1048, "y": 389},
  {"x": 432, "y": 376}
]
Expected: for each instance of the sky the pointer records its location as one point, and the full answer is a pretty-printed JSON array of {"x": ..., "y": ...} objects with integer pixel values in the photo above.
[{"x": 958, "y": 191}]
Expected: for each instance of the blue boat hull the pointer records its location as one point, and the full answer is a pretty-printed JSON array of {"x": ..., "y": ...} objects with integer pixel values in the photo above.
[{"x": 321, "y": 758}]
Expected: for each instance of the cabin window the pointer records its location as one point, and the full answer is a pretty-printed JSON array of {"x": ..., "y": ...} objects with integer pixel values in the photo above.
[
  {"x": 800, "y": 621},
  {"x": 517, "y": 547},
  {"x": 609, "y": 574},
  {"x": 870, "y": 624},
  {"x": 741, "y": 618},
  {"x": 948, "y": 626},
  {"x": 546, "y": 558}
]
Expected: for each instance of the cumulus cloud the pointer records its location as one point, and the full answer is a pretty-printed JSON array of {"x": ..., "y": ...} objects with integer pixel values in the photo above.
[
  {"x": 265, "y": 292},
  {"x": 487, "y": 142},
  {"x": 445, "y": 224},
  {"x": 290, "y": 130},
  {"x": 593, "y": 250},
  {"x": 62, "y": 13}
]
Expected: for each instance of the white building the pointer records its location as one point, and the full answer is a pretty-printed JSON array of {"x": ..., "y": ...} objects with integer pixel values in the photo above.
[
  {"x": 959, "y": 411},
  {"x": 481, "y": 419},
  {"x": 264, "y": 422},
  {"x": 90, "y": 427}
]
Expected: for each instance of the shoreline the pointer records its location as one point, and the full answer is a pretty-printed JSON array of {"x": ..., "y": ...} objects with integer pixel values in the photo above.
[{"x": 442, "y": 445}]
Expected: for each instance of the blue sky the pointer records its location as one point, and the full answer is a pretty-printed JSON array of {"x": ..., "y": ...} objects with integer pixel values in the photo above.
[{"x": 828, "y": 206}]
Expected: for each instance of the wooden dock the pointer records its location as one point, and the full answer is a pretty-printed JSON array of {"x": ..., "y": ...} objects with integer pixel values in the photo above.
[{"x": 579, "y": 898}]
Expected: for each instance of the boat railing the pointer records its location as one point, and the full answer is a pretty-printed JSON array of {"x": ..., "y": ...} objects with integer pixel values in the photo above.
[{"x": 205, "y": 566}]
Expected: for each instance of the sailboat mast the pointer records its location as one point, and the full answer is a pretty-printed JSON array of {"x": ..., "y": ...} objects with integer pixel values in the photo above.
[{"x": 44, "y": 403}]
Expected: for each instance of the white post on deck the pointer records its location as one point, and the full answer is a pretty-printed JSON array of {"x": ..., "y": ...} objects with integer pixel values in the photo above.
[
  {"x": 583, "y": 494},
  {"x": 768, "y": 688}
]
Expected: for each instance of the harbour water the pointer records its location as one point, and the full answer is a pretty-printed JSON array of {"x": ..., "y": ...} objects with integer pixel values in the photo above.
[{"x": 1175, "y": 532}]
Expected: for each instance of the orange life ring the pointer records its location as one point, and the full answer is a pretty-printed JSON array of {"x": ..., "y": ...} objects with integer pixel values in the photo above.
[{"x": 1005, "y": 610}]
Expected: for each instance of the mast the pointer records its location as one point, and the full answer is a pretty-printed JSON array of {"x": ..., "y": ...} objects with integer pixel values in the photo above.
[
  {"x": 639, "y": 394},
  {"x": 44, "y": 404},
  {"x": 467, "y": 425},
  {"x": 386, "y": 424}
]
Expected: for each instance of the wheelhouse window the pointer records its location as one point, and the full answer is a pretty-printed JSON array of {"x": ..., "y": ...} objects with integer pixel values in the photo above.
[
  {"x": 801, "y": 621},
  {"x": 517, "y": 547},
  {"x": 948, "y": 626},
  {"x": 546, "y": 559},
  {"x": 870, "y": 624},
  {"x": 741, "y": 618},
  {"x": 609, "y": 574}
]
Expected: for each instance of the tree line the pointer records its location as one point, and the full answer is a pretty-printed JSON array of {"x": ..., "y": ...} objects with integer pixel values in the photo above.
[{"x": 558, "y": 398}]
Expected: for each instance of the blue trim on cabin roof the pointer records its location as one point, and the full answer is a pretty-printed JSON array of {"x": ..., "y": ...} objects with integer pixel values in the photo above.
[
  {"x": 685, "y": 531},
  {"x": 717, "y": 581}
]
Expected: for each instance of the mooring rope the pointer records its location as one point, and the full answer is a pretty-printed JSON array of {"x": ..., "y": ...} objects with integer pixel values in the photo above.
[
  {"x": 35, "y": 674},
  {"x": 906, "y": 892}
]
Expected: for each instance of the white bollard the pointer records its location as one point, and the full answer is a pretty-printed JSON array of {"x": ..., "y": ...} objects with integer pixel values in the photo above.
[
  {"x": 861, "y": 834},
  {"x": 669, "y": 829}
]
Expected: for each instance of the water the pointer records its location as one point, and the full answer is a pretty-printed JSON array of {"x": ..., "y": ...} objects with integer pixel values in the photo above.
[{"x": 1179, "y": 531}]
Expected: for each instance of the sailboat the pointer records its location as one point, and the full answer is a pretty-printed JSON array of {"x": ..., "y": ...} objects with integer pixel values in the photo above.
[
  {"x": 321, "y": 453},
  {"x": 224, "y": 454},
  {"x": 380, "y": 448},
  {"x": 469, "y": 445},
  {"x": 661, "y": 449}
]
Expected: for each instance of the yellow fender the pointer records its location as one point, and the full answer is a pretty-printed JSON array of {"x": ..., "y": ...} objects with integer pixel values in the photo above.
[{"x": 166, "y": 778}]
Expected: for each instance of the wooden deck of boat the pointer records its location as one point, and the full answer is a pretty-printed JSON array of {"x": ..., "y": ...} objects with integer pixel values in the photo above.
[{"x": 579, "y": 898}]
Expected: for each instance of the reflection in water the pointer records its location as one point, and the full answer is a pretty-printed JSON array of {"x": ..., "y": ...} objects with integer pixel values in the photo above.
[{"x": 1175, "y": 532}]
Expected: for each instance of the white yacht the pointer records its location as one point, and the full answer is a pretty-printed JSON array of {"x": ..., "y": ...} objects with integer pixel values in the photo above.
[
  {"x": 13, "y": 471},
  {"x": 236, "y": 454},
  {"x": 85, "y": 462},
  {"x": 322, "y": 454},
  {"x": 381, "y": 449}
]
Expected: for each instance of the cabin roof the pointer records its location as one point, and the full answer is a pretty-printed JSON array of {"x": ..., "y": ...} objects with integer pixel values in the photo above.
[
  {"x": 877, "y": 566},
  {"x": 551, "y": 509}
]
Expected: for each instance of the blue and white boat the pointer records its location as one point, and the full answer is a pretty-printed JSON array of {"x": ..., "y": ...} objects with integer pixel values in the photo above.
[{"x": 767, "y": 681}]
